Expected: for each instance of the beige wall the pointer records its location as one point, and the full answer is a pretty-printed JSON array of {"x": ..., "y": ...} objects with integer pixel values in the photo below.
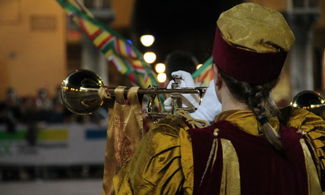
[
  {"x": 32, "y": 49},
  {"x": 274, "y": 4},
  {"x": 123, "y": 13}
]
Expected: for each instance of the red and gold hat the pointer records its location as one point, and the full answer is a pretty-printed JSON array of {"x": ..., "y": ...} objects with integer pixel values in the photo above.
[{"x": 251, "y": 43}]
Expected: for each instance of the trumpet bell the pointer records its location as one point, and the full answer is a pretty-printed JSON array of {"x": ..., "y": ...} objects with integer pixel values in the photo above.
[
  {"x": 308, "y": 99},
  {"x": 79, "y": 92},
  {"x": 311, "y": 101}
]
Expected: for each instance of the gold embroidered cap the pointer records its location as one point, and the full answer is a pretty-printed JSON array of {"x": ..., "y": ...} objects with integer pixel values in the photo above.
[
  {"x": 253, "y": 26},
  {"x": 251, "y": 43}
]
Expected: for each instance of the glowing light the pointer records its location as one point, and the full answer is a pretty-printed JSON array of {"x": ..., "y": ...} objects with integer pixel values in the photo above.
[
  {"x": 149, "y": 57},
  {"x": 160, "y": 67},
  {"x": 65, "y": 82},
  {"x": 294, "y": 105},
  {"x": 161, "y": 77},
  {"x": 147, "y": 40},
  {"x": 198, "y": 66}
]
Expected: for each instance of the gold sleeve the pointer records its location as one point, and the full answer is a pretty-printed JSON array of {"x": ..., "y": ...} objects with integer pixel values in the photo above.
[
  {"x": 314, "y": 128},
  {"x": 156, "y": 167}
]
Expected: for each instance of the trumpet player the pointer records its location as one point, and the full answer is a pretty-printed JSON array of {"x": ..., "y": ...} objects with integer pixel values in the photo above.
[{"x": 249, "y": 148}]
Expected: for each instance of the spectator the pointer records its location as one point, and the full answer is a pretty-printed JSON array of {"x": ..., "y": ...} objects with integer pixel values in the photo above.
[
  {"x": 30, "y": 116},
  {"x": 44, "y": 104}
]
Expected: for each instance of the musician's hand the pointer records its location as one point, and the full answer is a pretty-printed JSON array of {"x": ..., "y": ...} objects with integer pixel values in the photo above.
[
  {"x": 210, "y": 105},
  {"x": 186, "y": 79},
  {"x": 185, "y": 82}
]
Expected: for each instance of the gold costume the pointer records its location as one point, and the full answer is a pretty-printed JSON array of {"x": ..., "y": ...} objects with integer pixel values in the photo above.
[{"x": 163, "y": 162}]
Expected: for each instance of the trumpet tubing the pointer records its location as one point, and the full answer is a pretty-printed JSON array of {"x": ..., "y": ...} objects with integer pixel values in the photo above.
[{"x": 83, "y": 92}]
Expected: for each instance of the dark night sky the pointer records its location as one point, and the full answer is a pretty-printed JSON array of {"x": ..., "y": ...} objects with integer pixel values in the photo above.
[{"x": 179, "y": 24}]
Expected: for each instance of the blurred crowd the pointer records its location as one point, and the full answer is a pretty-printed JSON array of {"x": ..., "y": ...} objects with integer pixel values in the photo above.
[
  {"x": 33, "y": 111},
  {"x": 33, "y": 173}
]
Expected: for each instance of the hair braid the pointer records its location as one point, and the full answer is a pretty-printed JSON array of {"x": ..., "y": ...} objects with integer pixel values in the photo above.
[
  {"x": 257, "y": 104},
  {"x": 257, "y": 97}
]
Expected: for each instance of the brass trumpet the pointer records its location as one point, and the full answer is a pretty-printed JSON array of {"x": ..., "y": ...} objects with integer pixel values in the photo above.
[
  {"x": 80, "y": 92},
  {"x": 310, "y": 100}
]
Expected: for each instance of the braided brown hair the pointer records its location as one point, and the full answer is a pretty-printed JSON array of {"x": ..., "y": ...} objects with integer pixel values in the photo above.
[{"x": 258, "y": 99}]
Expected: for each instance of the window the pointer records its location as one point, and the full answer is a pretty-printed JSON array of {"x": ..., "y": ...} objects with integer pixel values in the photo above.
[{"x": 305, "y": 3}]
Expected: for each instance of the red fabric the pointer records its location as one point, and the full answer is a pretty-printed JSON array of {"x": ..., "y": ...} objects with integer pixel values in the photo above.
[
  {"x": 263, "y": 170},
  {"x": 201, "y": 144},
  {"x": 244, "y": 65}
]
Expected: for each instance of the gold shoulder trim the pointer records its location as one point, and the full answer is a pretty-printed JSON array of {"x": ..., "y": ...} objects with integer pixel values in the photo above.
[
  {"x": 314, "y": 187},
  {"x": 230, "y": 182}
]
